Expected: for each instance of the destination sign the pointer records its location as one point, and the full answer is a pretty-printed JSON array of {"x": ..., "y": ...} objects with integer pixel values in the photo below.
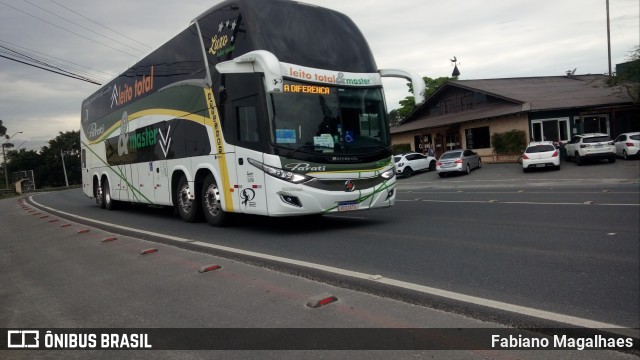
[{"x": 307, "y": 89}]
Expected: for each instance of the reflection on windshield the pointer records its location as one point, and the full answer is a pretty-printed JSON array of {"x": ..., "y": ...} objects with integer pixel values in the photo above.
[{"x": 332, "y": 120}]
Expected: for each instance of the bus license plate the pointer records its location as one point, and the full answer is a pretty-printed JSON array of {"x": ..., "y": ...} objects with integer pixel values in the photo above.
[{"x": 348, "y": 206}]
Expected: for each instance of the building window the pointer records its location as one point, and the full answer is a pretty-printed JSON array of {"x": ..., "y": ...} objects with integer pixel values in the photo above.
[
  {"x": 478, "y": 138},
  {"x": 550, "y": 130}
]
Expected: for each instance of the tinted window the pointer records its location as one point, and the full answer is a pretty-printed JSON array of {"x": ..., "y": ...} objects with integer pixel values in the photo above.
[
  {"x": 451, "y": 155},
  {"x": 635, "y": 137},
  {"x": 596, "y": 139},
  {"x": 396, "y": 158},
  {"x": 539, "y": 149},
  {"x": 308, "y": 35}
]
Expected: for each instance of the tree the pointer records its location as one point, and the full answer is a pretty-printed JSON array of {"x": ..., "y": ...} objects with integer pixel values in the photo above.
[
  {"x": 47, "y": 164},
  {"x": 3, "y": 130},
  {"x": 394, "y": 117},
  {"x": 628, "y": 79},
  {"x": 407, "y": 105},
  {"x": 51, "y": 171}
]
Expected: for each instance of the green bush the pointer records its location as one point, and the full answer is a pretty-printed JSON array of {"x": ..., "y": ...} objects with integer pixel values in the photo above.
[
  {"x": 510, "y": 142},
  {"x": 401, "y": 148}
]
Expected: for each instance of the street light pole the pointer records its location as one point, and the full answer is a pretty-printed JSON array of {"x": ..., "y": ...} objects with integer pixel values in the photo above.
[{"x": 4, "y": 157}]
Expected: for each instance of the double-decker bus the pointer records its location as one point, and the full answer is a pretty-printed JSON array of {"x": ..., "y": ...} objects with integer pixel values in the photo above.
[{"x": 262, "y": 107}]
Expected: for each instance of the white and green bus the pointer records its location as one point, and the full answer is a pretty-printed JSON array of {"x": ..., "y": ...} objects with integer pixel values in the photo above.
[{"x": 261, "y": 107}]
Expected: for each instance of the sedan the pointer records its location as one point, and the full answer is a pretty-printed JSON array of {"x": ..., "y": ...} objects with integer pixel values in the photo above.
[
  {"x": 540, "y": 155},
  {"x": 627, "y": 145},
  {"x": 461, "y": 160},
  {"x": 408, "y": 164}
]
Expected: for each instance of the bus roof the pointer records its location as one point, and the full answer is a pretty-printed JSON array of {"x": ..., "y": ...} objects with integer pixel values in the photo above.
[{"x": 299, "y": 33}]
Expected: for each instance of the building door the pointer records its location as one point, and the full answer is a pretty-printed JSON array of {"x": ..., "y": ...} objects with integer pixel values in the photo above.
[{"x": 596, "y": 124}]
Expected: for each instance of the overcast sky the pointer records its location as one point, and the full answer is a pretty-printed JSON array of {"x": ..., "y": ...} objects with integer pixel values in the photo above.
[{"x": 490, "y": 38}]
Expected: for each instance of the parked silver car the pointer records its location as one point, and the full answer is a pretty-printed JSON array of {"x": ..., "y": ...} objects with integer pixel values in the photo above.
[{"x": 461, "y": 160}]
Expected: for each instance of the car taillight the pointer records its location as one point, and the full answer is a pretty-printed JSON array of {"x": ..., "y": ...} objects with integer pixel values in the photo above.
[
  {"x": 525, "y": 157},
  {"x": 629, "y": 144},
  {"x": 439, "y": 163},
  {"x": 458, "y": 161},
  {"x": 555, "y": 153}
]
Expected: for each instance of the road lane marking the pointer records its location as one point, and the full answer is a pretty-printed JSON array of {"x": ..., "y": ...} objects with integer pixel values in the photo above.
[
  {"x": 377, "y": 278},
  {"x": 511, "y": 202}
]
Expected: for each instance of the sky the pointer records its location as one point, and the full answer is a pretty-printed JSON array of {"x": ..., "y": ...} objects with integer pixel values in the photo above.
[{"x": 489, "y": 38}]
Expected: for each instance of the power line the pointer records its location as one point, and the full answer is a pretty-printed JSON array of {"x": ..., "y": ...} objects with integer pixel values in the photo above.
[
  {"x": 65, "y": 29},
  {"x": 54, "y": 71},
  {"x": 104, "y": 26},
  {"x": 48, "y": 58},
  {"x": 78, "y": 25}
]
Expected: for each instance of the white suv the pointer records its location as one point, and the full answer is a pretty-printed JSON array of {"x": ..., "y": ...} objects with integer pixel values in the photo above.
[
  {"x": 590, "y": 146},
  {"x": 408, "y": 164}
]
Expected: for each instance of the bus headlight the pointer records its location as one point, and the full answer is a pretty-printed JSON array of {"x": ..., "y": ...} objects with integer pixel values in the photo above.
[
  {"x": 389, "y": 173},
  {"x": 280, "y": 173}
]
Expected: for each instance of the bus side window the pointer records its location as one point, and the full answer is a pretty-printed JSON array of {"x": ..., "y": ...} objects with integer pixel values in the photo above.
[{"x": 247, "y": 125}]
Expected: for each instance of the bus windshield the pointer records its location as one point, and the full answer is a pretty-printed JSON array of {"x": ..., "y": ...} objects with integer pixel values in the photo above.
[{"x": 328, "y": 119}]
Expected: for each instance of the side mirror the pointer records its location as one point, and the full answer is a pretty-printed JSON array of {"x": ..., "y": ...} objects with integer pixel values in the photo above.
[{"x": 417, "y": 82}]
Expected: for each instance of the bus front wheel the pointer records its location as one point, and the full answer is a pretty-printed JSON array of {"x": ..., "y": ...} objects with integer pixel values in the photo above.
[
  {"x": 186, "y": 201},
  {"x": 211, "y": 205}
]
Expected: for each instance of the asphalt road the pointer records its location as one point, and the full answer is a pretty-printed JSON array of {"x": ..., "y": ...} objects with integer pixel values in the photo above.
[{"x": 562, "y": 242}]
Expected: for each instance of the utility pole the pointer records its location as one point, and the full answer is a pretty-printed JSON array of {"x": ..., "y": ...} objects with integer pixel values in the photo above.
[
  {"x": 609, "y": 39},
  {"x": 4, "y": 157},
  {"x": 64, "y": 168}
]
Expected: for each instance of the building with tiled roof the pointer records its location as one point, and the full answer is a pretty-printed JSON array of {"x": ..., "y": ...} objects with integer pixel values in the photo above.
[{"x": 466, "y": 113}]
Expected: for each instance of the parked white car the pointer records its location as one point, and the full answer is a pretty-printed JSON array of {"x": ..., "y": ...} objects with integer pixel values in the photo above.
[
  {"x": 590, "y": 146},
  {"x": 409, "y": 163},
  {"x": 628, "y": 145},
  {"x": 540, "y": 155}
]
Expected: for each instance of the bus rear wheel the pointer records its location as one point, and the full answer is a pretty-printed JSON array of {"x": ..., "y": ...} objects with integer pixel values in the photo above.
[
  {"x": 211, "y": 205},
  {"x": 108, "y": 201},
  {"x": 97, "y": 194},
  {"x": 187, "y": 201}
]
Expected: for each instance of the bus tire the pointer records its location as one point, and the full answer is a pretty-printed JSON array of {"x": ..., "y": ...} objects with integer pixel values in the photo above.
[
  {"x": 108, "y": 201},
  {"x": 98, "y": 194},
  {"x": 188, "y": 208},
  {"x": 211, "y": 204}
]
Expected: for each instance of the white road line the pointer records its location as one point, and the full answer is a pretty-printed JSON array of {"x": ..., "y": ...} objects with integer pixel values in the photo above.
[
  {"x": 511, "y": 202},
  {"x": 523, "y": 310}
]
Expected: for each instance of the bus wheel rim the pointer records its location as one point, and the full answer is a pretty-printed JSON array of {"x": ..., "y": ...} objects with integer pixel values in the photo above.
[{"x": 212, "y": 199}]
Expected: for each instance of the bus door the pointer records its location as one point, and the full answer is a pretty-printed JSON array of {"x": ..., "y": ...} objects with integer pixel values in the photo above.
[{"x": 249, "y": 138}]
